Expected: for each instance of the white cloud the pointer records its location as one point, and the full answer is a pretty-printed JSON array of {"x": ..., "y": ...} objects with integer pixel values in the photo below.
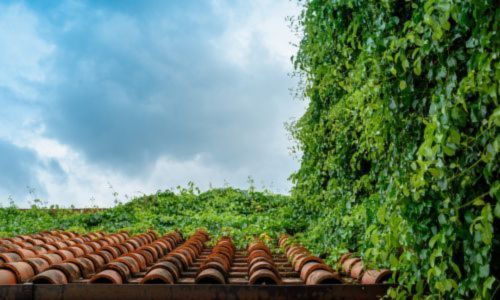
[
  {"x": 23, "y": 52},
  {"x": 262, "y": 23},
  {"x": 85, "y": 184}
]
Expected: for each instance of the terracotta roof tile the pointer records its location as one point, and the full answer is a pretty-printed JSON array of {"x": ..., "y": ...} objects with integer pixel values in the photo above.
[{"x": 58, "y": 257}]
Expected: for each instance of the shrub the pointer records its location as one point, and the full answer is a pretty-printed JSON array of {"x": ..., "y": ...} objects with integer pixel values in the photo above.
[{"x": 400, "y": 139}]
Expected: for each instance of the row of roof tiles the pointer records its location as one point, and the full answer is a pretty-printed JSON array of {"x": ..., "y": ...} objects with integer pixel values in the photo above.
[
  {"x": 58, "y": 257},
  {"x": 313, "y": 269}
]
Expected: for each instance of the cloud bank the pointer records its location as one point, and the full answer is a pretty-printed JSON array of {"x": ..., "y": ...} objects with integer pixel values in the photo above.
[{"x": 141, "y": 97}]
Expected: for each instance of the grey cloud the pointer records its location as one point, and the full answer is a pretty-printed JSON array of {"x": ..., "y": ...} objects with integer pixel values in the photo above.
[
  {"x": 133, "y": 89},
  {"x": 17, "y": 168}
]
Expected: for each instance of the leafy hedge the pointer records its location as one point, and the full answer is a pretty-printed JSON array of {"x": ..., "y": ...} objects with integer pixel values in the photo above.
[
  {"x": 400, "y": 139},
  {"x": 239, "y": 213}
]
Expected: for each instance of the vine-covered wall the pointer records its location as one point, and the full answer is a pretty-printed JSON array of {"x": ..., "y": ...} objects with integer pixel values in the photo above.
[{"x": 400, "y": 139}]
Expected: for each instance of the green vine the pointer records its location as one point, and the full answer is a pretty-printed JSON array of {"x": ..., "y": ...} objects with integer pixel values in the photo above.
[{"x": 400, "y": 139}]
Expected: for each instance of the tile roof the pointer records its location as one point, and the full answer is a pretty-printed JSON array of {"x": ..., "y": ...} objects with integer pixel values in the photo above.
[{"x": 86, "y": 261}]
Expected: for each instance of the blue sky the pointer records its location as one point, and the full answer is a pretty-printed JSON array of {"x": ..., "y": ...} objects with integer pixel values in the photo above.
[{"x": 143, "y": 95}]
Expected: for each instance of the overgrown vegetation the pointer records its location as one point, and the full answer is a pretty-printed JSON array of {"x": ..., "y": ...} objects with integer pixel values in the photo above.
[
  {"x": 400, "y": 140},
  {"x": 239, "y": 213}
]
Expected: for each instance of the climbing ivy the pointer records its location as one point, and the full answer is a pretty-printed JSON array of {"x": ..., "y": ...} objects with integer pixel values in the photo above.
[{"x": 400, "y": 139}]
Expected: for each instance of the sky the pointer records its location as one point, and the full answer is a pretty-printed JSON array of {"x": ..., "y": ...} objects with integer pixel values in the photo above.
[{"x": 104, "y": 98}]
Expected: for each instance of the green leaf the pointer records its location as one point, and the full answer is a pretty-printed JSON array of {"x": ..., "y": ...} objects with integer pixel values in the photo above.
[
  {"x": 420, "y": 287},
  {"x": 402, "y": 85},
  {"x": 478, "y": 202},
  {"x": 495, "y": 117},
  {"x": 488, "y": 284},
  {"x": 417, "y": 67},
  {"x": 454, "y": 137},
  {"x": 484, "y": 270},
  {"x": 448, "y": 151},
  {"x": 404, "y": 62},
  {"x": 433, "y": 240},
  {"x": 393, "y": 260},
  {"x": 442, "y": 219},
  {"x": 456, "y": 269}
]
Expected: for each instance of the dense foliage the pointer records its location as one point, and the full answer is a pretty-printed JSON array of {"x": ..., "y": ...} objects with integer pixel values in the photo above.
[
  {"x": 400, "y": 139},
  {"x": 241, "y": 214}
]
